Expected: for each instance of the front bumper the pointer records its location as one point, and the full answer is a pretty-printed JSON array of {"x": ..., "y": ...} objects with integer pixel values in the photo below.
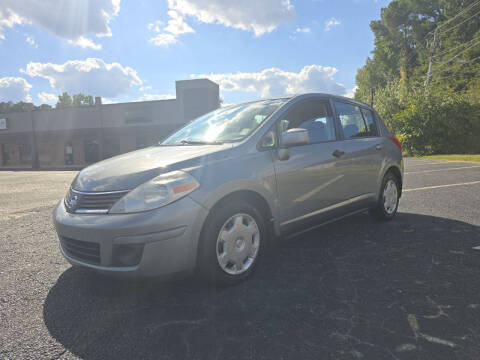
[{"x": 168, "y": 236}]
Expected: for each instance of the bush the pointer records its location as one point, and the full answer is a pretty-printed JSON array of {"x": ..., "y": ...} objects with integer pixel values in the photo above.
[
  {"x": 437, "y": 121},
  {"x": 388, "y": 103}
]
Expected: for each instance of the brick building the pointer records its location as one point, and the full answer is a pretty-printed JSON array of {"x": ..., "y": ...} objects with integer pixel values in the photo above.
[{"x": 77, "y": 136}]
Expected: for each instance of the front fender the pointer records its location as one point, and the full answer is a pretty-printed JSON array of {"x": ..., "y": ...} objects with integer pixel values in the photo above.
[{"x": 252, "y": 171}]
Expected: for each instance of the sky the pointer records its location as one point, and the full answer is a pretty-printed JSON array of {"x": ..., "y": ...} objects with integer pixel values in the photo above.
[{"x": 135, "y": 50}]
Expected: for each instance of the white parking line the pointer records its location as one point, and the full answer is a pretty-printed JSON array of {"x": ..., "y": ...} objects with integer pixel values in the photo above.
[
  {"x": 442, "y": 186},
  {"x": 457, "y": 168},
  {"x": 436, "y": 163}
]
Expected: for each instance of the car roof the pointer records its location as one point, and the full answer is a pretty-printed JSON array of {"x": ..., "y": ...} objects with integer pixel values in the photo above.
[
  {"x": 334, "y": 97},
  {"x": 307, "y": 95}
]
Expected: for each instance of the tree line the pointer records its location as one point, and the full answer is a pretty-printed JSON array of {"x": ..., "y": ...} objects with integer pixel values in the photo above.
[
  {"x": 64, "y": 101},
  {"x": 441, "y": 114}
]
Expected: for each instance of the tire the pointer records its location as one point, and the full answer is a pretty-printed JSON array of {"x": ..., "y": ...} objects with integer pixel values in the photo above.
[
  {"x": 244, "y": 237},
  {"x": 387, "y": 204}
]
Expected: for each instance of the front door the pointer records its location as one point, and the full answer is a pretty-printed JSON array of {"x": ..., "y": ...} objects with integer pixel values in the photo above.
[{"x": 313, "y": 178}]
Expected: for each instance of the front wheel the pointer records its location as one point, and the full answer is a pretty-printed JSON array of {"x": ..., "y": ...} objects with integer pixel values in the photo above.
[
  {"x": 232, "y": 242},
  {"x": 387, "y": 203}
]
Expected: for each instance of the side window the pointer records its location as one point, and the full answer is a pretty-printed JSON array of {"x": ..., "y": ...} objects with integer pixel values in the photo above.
[
  {"x": 372, "y": 129},
  {"x": 351, "y": 119},
  {"x": 269, "y": 140},
  {"x": 312, "y": 115}
]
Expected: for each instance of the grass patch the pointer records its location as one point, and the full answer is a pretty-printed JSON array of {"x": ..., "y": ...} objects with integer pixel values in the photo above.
[{"x": 454, "y": 157}]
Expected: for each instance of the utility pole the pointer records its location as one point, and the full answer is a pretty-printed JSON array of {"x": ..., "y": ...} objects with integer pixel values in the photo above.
[
  {"x": 373, "y": 94},
  {"x": 432, "y": 52}
]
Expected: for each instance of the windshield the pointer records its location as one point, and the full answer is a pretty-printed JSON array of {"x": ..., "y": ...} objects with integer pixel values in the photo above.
[{"x": 228, "y": 124}]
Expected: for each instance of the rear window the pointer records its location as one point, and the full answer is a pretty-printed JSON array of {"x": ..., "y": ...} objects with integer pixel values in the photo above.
[
  {"x": 372, "y": 129},
  {"x": 351, "y": 119}
]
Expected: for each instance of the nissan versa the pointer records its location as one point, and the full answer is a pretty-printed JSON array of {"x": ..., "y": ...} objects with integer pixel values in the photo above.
[{"x": 208, "y": 198}]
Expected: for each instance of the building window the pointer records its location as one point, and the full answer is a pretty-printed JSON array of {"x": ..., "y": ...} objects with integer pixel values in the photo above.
[{"x": 92, "y": 151}]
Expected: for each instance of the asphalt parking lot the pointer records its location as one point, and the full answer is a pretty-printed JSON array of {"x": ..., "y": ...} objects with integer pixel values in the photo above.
[{"x": 354, "y": 289}]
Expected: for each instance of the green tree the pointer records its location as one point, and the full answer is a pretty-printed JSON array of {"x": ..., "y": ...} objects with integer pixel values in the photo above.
[
  {"x": 44, "y": 107},
  {"x": 10, "y": 107},
  {"x": 443, "y": 116},
  {"x": 64, "y": 101},
  {"x": 82, "y": 100}
]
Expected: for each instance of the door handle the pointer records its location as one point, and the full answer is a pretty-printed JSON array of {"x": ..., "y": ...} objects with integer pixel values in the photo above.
[
  {"x": 379, "y": 147},
  {"x": 338, "y": 153}
]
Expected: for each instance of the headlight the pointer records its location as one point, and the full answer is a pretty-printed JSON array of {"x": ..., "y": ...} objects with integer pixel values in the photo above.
[{"x": 159, "y": 191}]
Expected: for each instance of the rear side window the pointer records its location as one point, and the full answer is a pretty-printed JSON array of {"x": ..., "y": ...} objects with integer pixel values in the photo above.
[
  {"x": 351, "y": 119},
  {"x": 312, "y": 115},
  {"x": 372, "y": 129}
]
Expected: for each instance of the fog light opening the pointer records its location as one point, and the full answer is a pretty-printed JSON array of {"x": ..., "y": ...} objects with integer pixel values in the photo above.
[{"x": 127, "y": 255}]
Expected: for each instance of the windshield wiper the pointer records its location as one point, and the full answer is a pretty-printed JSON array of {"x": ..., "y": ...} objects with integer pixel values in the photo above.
[{"x": 193, "y": 142}]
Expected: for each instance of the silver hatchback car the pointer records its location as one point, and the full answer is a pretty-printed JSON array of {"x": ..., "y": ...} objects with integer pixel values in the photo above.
[{"x": 209, "y": 198}]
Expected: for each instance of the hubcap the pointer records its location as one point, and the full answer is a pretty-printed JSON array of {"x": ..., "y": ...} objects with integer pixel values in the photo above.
[
  {"x": 390, "y": 197},
  {"x": 237, "y": 244}
]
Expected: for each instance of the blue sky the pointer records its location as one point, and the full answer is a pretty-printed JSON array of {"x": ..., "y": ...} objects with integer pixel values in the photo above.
[{"x": 135, "y": 50}]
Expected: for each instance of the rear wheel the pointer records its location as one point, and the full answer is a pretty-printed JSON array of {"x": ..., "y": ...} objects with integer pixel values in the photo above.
[
  {"x": 387, "y": 203},
  {"x": 232, "y": 242}
]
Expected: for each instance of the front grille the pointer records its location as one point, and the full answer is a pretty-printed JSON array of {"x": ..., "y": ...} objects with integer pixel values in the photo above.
[
  {"x": 100, "y": 202},
  {"x": 81, "y": 250}
]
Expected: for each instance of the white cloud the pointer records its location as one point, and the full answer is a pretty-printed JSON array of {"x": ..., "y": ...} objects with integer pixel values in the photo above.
[
  {"x": 259, "y": 17},
  {"x": 164, "y": 39},
  {"x": 155, "y": 26},
  {"x": 145, "y": 88},
  {"x": 277, "y": 82},
  {"x": 14, "y": 89},
  {"x": 71, "y": 20},
  {"x": 351, "y": 92},
  {"x": 305, "y": 30},
  {"x": 329, "y": 24},
  {"x": 151, "y": 97},
  {"x": 176, "y": 25},
  {"x": 85, "y": 43},
  {"x": 168, "y": 35},
  {"x": 47, "y": 98},
  {"x": 106, "y": 101},
  {"x": 91, "y": 76},
  {"x": 31, "y": 41},
  {"x": 8, "y": 19}
]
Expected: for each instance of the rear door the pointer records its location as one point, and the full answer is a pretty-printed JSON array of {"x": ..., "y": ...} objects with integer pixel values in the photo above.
[{"x": 363, "y": 145}]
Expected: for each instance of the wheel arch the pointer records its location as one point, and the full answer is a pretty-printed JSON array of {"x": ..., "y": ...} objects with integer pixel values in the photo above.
[
  {"x": 396, "y": 172},
  {"x": 252, "y": 197}
]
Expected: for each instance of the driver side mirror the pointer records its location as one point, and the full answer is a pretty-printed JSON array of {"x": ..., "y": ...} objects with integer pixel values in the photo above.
[
  {"x": 294, "y": 137},
  {"x": 289, "y": 138}
]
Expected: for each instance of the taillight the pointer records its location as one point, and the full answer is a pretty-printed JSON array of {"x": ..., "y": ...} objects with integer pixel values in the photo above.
[{"x": 396, "y": 141}]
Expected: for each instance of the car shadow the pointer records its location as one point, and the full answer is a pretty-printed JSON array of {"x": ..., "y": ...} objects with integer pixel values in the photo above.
[{"x": 356, "y": 288}]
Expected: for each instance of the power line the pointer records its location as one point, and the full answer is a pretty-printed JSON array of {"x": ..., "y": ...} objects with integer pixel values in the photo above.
[
  {"x": 412, "y": 56},
  {"x": 458, "y": 46},
  {"x": 460, "y": 13},
  {"x": 454, "y": 27},
  {"x": 451, "y": 19},
  {"x": 419, "y": 42},
  {"x": 457, "y": 55},
  {"x": 432, "y": 53},
  {"x": 456, "y": 73},
  {"x": 414, "y": 53}
]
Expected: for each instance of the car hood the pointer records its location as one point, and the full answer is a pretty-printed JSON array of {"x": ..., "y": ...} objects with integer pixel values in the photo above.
[{"x": 127, "y": 171}]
